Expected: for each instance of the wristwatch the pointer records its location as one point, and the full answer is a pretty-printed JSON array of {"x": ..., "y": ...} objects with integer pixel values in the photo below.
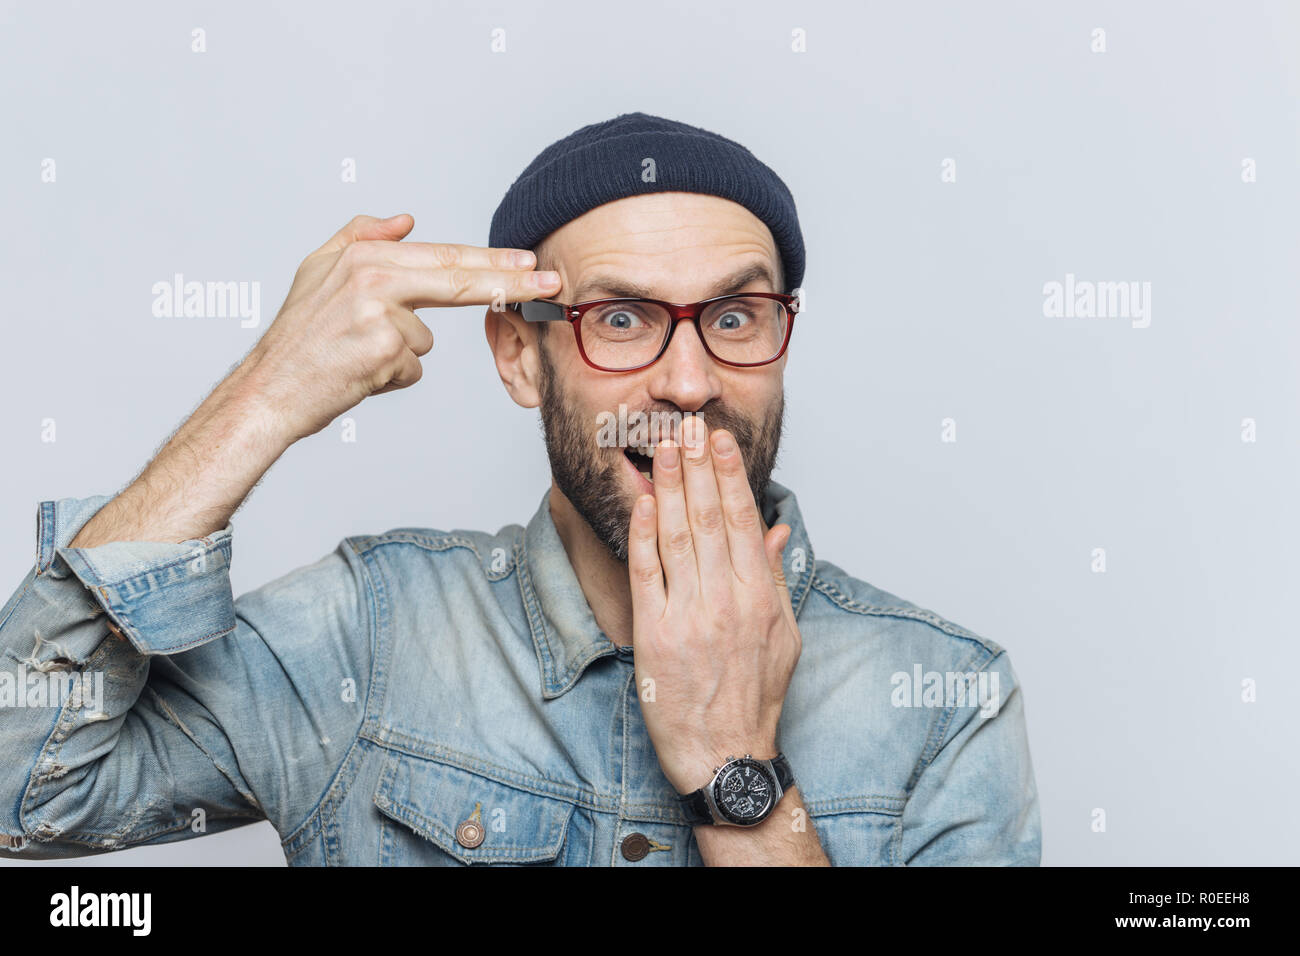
[{"x": 742, "y": 793}]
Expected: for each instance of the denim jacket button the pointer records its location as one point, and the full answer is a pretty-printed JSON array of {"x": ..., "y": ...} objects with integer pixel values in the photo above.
[
  {"x": 469, "y": 834},
  {"x": 635, "y": 847}
]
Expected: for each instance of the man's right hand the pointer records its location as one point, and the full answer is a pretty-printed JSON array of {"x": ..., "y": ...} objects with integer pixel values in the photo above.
[{"x": 347, "y": 329}]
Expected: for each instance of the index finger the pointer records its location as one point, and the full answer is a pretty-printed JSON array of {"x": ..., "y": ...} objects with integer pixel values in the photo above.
[
  {"x": 418, "y": 288},
  {"x": 423, "y": 274},
  {"x": 448, "y": 255}
]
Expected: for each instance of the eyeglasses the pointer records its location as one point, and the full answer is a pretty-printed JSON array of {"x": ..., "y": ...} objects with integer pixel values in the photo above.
[{"x": 625, "y": 335}]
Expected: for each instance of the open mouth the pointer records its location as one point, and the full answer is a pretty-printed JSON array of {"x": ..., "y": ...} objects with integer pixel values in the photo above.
[{"x": 642, "y": 461}]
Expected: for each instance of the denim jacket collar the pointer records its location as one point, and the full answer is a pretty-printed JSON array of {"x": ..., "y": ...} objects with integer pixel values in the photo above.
[{"x": 564, "y": 629}]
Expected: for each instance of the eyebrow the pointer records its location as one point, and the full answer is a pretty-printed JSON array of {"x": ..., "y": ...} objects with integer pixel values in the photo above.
[{"x": 614, "y": 286}]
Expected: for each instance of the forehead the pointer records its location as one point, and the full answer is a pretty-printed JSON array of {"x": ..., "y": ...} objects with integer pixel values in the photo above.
[{"x": 669, "y": 245}]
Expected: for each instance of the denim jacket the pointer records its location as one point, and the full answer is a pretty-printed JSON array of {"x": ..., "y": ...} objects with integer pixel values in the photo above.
[{"x": 371, "y": 703}]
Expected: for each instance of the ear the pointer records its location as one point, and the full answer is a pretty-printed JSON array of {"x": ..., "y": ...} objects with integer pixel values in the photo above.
[{"x": 514, "y": 347}]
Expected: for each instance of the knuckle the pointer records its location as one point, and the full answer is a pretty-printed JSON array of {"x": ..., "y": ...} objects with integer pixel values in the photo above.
[
  {"x": 368, "y": 278},
  {"x": 647, "y": 574},
  {"x": 460, "y": 281},
  {"x": 353, "y": 254},
  {"x": 680, "y": 542},
  {"x": 709, "y": 518},
  {"x": 447, "y": 255},
  {"x": 388, "y": 341},
  {"x": 370, "y": 312},
  {"x": 743, "y": 517}
]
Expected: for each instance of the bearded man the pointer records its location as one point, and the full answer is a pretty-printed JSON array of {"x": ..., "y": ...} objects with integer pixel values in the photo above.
[{"x": 655, "y": 670}]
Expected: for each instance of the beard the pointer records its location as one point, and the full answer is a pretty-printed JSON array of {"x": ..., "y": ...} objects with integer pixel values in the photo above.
[{"x": 590, "y": 476}]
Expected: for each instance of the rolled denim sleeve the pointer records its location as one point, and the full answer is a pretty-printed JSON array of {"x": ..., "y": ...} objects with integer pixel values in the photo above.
[
  {"x": 147, "y": 705},
  {"x": 976, "y": 802},
  {"x": 162, "y": 597}
]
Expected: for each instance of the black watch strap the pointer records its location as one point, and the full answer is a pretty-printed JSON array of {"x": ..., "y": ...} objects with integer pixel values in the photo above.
[
  {"x": 696, "y": 809},
  {"x": 784, "y": 775}
]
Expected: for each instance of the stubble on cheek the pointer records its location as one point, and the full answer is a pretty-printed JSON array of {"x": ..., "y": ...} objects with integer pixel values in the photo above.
[{"x": 586, "y": 474}]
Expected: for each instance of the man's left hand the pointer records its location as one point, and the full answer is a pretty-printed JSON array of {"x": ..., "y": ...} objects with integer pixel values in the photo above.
[{"x": 714, "y": 631}]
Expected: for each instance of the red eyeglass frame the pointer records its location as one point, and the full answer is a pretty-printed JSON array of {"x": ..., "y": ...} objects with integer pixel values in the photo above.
[{"x": 543, "y": 310}]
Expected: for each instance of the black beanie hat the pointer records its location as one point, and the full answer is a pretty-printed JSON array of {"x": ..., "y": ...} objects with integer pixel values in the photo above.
[{"x": 603, "y": 162}]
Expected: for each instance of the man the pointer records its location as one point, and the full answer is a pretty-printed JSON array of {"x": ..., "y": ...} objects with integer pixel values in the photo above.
[{"x": 654, "y": 671}]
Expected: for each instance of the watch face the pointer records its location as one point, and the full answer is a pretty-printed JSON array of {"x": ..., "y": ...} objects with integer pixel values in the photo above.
[{"x": 745, "y": 792}]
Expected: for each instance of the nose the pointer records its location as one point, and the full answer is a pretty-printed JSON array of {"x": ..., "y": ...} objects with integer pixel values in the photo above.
[{"x": 685, "y": 374}]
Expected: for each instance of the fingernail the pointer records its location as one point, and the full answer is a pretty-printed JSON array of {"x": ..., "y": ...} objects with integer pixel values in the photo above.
[
  {"x": 693, "y": 433},
  {"x": 544, "y": 280},
  {"x": 523, "y": 258},
  {"x": 645, "y": 506},
  {"x": 666, "y": 453},
  {"x": 723, "y": 443}
]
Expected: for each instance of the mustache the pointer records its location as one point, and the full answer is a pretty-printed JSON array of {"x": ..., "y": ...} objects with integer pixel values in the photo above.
[{"x": 644, "y": 428}]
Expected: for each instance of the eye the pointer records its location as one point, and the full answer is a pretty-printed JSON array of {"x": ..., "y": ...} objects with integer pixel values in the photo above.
[
  {"x": 732, "y": 320},
  {"x": 622, "y": 319}
]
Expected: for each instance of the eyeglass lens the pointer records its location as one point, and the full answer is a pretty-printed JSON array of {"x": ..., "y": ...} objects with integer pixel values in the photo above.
[{"x": 625, "y": 335}]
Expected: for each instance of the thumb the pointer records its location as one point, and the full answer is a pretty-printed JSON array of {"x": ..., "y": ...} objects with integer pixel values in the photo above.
[
  {"x": 394, "y": 227},
  {"x": 774, "y": 544},
  {"x": 368, "y": 227}
]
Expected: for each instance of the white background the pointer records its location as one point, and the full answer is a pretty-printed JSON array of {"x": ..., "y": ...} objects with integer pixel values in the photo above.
[{"x": 925, "y": 302}]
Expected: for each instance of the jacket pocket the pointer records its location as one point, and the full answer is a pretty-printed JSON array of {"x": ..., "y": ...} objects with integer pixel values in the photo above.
[{"x": 425, "y": 802}]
